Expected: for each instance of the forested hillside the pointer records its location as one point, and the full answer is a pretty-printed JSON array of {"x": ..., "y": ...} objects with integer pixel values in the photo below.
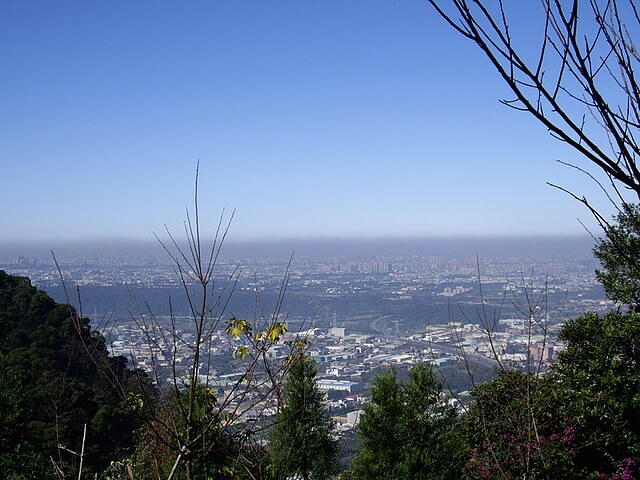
[{"x": 50, "y": 388}]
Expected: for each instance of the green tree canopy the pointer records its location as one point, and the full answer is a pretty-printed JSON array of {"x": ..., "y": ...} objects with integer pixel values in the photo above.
[
  {"x": 619, "y": 255},
  {"x": 513, "y": 430},
  {"x": 408, "y": 431},
  {"x": 302, "y": 442},
  {"x": 51, "y": 387},
  {"x": 600, "y": 379}
]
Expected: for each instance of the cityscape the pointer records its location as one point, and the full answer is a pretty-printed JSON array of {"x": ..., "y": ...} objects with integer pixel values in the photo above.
[{"x": 359, "y": 314}]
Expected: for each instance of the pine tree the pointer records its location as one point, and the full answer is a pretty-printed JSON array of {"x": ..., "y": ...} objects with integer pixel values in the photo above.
[
  {"x": 302, "y": 444},
  {"x": 408, "y": 431}
]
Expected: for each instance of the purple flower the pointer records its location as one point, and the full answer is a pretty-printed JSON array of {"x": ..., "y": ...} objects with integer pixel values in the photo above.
[{"x": 569, "y": 435}]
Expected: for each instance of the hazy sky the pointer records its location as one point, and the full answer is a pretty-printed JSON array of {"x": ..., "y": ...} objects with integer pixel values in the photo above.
[{"x": 311, "y": 119}]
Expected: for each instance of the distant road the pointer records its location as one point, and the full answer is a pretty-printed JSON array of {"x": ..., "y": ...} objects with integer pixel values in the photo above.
[{"x": 380, "y": 326}]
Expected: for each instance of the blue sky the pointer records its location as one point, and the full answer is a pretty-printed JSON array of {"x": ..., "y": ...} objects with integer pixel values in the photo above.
[{"x": 361, "y": 119}]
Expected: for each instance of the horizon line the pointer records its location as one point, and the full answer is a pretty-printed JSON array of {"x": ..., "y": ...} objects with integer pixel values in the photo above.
[{"x": 524, "y": 244}]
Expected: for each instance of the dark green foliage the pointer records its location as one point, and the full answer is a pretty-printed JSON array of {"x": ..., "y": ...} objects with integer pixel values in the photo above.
[
  {"x": 17, "y": 459},
  {"x": 600, "y": 375},
  {"x": 513, "y": 430},
  {"x": 619, "y": 255},
  {"x": 302, "y": 443},
  {"x": 579, "y": 421},
  {"x": 408, "y": 431},
  {"x": 51, "y": 387}
]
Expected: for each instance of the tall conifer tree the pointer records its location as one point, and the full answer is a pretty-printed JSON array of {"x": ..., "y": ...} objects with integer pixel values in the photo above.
[
  {"x": 408, "y": 431},
  {"x": 302, "y": 444}
]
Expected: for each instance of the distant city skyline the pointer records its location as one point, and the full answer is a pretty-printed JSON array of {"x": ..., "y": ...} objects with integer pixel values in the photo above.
[{"x": 313, "y": 120}]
